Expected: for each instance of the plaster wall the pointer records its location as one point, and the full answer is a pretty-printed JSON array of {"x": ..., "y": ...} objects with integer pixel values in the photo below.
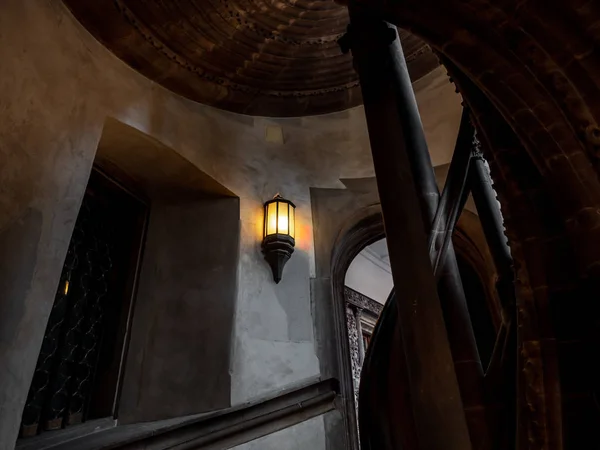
[
  {"x": 307, "y": 435},
  {"x": 178, "y": 360},
  {"x": 182, "y": 322},
  {"x": 57, "y": 87},
  {"x": 369, "y": 277}
]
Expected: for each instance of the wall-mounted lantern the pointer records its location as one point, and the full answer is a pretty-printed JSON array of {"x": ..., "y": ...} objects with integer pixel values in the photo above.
[{"x": 279, "y": 233}]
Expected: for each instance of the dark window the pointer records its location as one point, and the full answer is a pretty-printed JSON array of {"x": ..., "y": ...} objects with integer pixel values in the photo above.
[{"x": 80, "y": 362}]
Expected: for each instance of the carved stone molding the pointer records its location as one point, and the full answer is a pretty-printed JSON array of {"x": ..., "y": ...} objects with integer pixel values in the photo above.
[
  {"x": 362, "y": 313},
  {"x": 353, "y": 339},
  {"x": 362, "y": 301}
]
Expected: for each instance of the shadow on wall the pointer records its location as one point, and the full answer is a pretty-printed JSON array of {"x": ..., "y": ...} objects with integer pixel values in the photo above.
[
  {"x": 183, "y": 322},
  {"x": 173, "y": 352}
]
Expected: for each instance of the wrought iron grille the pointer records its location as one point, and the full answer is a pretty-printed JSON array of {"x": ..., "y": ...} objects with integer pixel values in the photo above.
[{"x": 64, "y": 375}]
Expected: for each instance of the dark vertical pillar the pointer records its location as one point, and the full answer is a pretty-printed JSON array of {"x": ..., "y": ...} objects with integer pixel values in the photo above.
[
  {"x": 435, "y": 397},
  {"x": 490, "y": 215},
  {"x": 458, "y": 322},
  {"x": 503, "y": 365}
]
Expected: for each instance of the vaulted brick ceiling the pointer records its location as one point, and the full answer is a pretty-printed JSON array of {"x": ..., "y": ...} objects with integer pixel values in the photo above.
[{"x": 259, "y": 57}]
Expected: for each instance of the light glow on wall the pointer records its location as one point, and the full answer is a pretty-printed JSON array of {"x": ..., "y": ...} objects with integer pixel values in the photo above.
[{"x": 279, "y": 232}]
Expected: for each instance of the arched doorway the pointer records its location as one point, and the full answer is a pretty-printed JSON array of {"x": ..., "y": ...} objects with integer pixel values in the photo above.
[{"x": 369, "y": 285}]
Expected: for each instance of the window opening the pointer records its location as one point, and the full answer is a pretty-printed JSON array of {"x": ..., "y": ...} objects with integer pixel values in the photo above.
[{"x": 78, "y": 370}]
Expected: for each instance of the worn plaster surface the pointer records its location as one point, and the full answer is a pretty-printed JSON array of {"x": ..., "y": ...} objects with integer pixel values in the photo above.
[
  {"x": 307, "y": 435},
  {"x": 57, "y": 87},
  {"x": 178, "y": 360}
]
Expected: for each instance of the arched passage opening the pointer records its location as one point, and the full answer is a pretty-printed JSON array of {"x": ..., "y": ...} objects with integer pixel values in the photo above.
[{"x": 363, "y": 300}]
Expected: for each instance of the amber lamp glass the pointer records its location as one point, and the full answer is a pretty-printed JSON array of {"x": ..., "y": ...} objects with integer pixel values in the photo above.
[{"x": 279, "y": 234}]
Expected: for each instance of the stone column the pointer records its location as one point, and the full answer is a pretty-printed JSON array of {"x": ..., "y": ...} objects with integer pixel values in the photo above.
[
  {"x": 361, "y": 341},
  {"x": 436, "y": 402},
  {"x": 354, "y": 345}
]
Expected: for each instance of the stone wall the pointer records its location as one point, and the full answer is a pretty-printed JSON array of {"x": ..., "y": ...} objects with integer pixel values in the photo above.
[
  {"x": 58, "y": 87},
  {"x": 178, "y": 360}
]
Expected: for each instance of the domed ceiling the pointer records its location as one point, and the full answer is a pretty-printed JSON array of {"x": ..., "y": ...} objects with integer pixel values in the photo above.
[{"x": 258, "y": 57}]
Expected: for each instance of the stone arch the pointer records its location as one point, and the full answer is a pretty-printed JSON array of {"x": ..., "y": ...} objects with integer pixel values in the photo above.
[
  {"x": 362, "y": 228},
  {"x": 344, "y": 221}
]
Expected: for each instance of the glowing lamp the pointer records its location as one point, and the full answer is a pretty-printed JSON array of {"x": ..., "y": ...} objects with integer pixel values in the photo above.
[{"x": 279, "y": 233}]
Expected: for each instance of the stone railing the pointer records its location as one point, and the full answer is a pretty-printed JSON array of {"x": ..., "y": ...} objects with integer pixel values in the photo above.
[{"x": 222, "y": 429}]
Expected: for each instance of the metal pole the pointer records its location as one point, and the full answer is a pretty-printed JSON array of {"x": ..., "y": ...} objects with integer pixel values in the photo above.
[
  {"x": 454, "y": 196},
  {"x": 452, "y": 296},
  {"x": 435, "y": 397},
  {"x": 492, "y": 223}
]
